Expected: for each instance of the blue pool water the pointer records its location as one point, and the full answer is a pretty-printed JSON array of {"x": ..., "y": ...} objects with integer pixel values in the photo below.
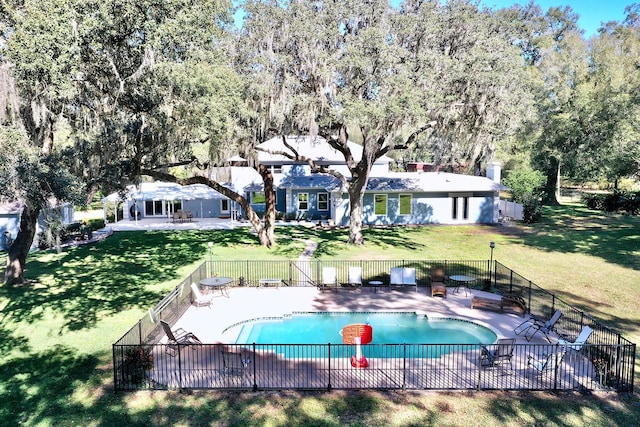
[{"x": 388, "y": 328}]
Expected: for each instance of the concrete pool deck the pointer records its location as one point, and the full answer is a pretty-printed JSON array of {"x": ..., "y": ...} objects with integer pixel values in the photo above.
[
  {"x": 243, "y": 304},
  {"x": 203, "y": 367}
]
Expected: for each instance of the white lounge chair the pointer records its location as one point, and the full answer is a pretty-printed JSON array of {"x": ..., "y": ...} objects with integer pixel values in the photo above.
[
  {"x": 577, "y": 345},
  {"x": 329, "y": 277},
  {"x": 355, "y": 276},
  {"x": 546, "y": 362},
  {"x": 199, "y": 299},
  {"x": 403, "y": 276}
]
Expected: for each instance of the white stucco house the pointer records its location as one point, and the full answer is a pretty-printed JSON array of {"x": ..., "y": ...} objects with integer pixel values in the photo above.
[
  {"x": 163, "y": 199},
  {"x": 389, "y": 197},
  {"x": 11, "y": 211}
]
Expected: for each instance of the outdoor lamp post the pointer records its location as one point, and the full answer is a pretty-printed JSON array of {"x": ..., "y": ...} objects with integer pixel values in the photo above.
[{"x": 211, "y": 258}]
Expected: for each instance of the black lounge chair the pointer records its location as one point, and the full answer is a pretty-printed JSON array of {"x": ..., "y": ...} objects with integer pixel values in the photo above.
[
  {"x": 532, "y": 326},
  {"x": 498, "y": 353},
  {"x": 175, "y": 340},
  {"x": 235, "y": 366}
]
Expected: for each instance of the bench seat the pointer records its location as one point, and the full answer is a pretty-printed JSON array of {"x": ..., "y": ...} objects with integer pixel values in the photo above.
[{"x": 509, "y": 303}]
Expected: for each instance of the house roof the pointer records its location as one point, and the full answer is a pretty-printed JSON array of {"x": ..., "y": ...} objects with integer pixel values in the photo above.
[
  {"x": 431, "y": 181},
  {"x": 319, "y": 180},
  {"x": 14, "y": 207},
  {"x": 317, "y": 148},
  {"x": 166, "y": 191},
  {"x": 437, "y": 182}
]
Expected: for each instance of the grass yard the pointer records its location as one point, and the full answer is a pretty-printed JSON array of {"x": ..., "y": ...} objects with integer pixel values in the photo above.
[{"x": 56, "y": 332}]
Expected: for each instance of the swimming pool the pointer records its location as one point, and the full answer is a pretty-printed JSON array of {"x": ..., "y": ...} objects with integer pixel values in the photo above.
[{"x": 388, "y": 328}]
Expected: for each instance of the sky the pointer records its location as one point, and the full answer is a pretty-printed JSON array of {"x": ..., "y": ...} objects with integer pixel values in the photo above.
[{"x": 592, "y": 12}]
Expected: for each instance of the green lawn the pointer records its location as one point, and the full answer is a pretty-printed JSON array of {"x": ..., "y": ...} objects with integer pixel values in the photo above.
[{"x": 56, "y": 332}]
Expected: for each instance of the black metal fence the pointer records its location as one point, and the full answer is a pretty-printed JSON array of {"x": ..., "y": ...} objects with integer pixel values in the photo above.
[
  {"x": 606, "y": 363},
  {"x": 309, "y": 273},
  {"x": 395, "y": 366}
]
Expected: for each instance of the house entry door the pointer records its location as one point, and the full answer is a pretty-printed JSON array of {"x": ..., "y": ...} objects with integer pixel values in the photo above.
[
  {"x": 153, "y": 207},
  {"x": 460, "y": 207}
]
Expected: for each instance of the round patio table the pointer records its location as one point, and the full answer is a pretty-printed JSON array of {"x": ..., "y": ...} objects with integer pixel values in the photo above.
[
  {"x": 219, "y": 283},
  {"x": 376, "y": 284},
  {"x": 462, "y": 281}
]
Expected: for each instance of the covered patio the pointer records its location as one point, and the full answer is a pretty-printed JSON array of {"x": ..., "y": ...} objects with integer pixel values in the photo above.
[{"x": 159, "y": 201}]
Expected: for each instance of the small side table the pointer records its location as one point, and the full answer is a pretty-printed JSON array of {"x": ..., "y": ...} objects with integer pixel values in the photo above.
[
  {"x": 463, "y": 282},
  {"x": 375, "y": 284}
]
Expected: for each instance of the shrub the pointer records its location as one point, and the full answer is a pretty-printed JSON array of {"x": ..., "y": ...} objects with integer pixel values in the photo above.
[
  {"x": 524, "y": 183},
  {"x": 593, "y": 201},
  {"x": 613, "y": 202},
  {"x": 631, "y": 203},
  {"x": 137, "y": 361},
  {"x": 531, "y": 209},
  {"x": 95, "y": 223}
]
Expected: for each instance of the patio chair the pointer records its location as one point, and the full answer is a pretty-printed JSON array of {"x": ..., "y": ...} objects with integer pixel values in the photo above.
[
  {"x": 176, "y": 340},
  {"x": 199, "y": 299},
  {"x": 498, "y": 353},
  {"x": 403, "y": 276},
  {"x": 546, "y": 362},
  {"x": 533, "y": 325},
  {"x": 233, "y": 364},
  {"x": 355, "y": 276},
  {"x": 577, "y": 345},
  {"x": 437, "y": 279},
  {"x": 329, "y": 277}
]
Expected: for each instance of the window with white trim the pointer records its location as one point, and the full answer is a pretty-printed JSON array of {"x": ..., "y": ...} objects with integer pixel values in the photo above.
[
  {"x": 323, "y": 201},
  {"x": 404, "y": 204},
  {"x": 224, "y": 205},
  {"x": 380, "y": 204},
  {"x": 303, "y": 201}
]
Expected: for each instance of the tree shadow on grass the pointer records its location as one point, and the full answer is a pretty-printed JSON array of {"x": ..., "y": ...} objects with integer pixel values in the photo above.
[
  {"x": 88, "y": 282},
  {"x": 622, "y": 325},
  {"x": 573, "y": 229},
  {"x": 37, "y": 386},
  {"x": 332, "y": 241}
]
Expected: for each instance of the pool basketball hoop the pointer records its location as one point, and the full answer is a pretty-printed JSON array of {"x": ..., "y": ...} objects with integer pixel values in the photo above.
[{"x": 357, "y": 334}]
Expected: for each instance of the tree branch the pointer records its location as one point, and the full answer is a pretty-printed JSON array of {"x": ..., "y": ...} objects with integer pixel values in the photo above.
[
  {"x": 309, "y": 161},
  {"x": 409, "y": 140}
]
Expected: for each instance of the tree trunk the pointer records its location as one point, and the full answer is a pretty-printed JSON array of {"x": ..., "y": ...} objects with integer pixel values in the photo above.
[
  {"x": 355, "y": 215},
  {"x": 267, "y": 238},
  {"x": 550, "y": 188},
  {"x": 17, "y": 254}
]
